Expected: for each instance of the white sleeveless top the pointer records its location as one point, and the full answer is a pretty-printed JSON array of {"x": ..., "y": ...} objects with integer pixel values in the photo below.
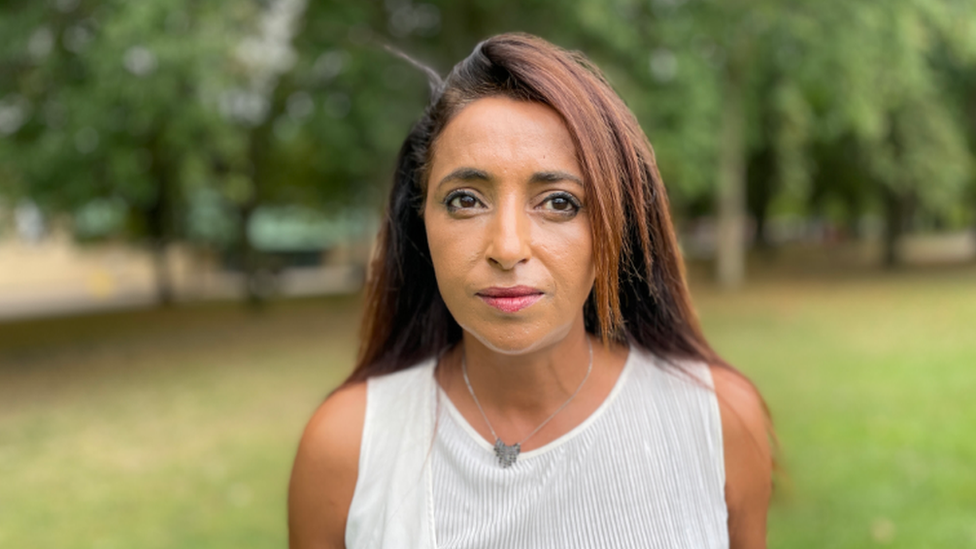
[{"x": 646, "y": 469}]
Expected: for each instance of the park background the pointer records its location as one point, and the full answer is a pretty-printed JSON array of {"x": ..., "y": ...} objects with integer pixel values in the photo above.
[{"x": 189, "y": 190}]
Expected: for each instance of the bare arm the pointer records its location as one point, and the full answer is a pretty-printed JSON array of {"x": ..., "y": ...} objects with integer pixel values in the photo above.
[
  {"x": 323, "y": 477},
  {"x": 748, "y": 459}
]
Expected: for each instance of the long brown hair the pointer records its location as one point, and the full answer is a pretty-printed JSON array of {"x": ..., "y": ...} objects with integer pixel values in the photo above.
[{"x": 640, "y": 291}]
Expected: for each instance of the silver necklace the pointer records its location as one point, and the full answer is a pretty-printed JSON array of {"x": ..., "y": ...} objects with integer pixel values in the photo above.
[{"x": 508, "y": 454}]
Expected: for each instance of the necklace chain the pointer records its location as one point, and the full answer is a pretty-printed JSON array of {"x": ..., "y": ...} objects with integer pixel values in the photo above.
[{"x": 508, "y": 454}]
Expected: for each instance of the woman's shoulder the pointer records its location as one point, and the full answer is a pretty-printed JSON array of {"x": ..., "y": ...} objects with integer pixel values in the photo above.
[
  {"x": 404, "y": 379},
  {"x": 745, "y": 437},
  {"x": 357, "y": 431},
  {"x": 745, "y": 419},
  {"x": 325, "y": 470},
  {"x": 336, "y": 426},
  {"x": 735, "y": 391},
  {"x": 746, "y": 431}
]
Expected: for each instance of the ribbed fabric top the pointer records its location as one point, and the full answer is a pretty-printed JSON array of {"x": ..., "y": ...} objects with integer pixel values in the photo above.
[{"x": 644, "y": 470}]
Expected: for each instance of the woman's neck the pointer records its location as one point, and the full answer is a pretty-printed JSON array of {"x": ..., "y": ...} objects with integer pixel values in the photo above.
[
  {"x": 525, "y": 385},
  {"x": 518, "y": 392}
]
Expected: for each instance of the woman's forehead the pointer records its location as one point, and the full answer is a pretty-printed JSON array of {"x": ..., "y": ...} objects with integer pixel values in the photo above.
[{"x": 499, "y": 133}]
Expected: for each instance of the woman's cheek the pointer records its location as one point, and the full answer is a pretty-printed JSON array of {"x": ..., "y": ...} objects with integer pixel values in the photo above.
[
  {"x": 450, "y": 254},
  {"x": 569, "y": 254}
]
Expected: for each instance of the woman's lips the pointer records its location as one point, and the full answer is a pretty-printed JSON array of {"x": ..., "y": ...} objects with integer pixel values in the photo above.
[{"x": 510, "y": 300}]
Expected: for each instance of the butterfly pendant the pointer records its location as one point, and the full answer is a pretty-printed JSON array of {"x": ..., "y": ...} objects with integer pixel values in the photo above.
[{"x": 506, "y": 454}]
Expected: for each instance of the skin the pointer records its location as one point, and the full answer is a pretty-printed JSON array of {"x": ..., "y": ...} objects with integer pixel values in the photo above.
[{"x": 506, "y": 207}]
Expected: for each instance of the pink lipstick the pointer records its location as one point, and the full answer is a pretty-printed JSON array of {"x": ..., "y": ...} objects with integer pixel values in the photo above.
[{"x": 510, "y": 300}]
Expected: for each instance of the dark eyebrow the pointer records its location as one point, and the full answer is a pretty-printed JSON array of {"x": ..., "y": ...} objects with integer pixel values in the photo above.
[
  {"x": 554, "y": 176},
  {"x": 469, "y": 174},
  {"x": 465, "y": 174}
]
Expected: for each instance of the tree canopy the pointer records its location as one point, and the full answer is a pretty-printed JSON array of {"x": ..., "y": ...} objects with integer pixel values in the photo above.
[{"x": 138, "y": 118}]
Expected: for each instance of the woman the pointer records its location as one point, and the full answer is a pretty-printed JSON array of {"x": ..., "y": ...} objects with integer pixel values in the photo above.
[{"x": 532, "y": 373}]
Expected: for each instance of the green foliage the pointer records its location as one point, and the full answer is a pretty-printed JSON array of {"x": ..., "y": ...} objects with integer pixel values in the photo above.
[
  {"x": 147, "y": 103},
  {"x": 813, "y": 72},
  {"x": 894, "y": 104},
  {"x": 123, "y": 99}
]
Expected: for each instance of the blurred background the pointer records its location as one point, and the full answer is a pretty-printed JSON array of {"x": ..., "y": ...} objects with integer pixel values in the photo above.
[{"x": 189, "y": 191}]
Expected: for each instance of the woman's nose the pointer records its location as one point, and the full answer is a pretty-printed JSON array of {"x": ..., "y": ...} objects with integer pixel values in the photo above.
[{"x": 508, "y": 237}]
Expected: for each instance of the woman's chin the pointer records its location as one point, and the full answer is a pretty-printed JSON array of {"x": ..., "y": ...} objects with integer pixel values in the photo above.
[{"x": 510, "y": 340}]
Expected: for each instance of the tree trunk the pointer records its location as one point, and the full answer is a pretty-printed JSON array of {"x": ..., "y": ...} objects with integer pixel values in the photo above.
[
  {"x": 730, "y": 251},
  {"x": 852, "y": 221},
  {"x": 159, "y": 228},
  {"x": 894, "y": 224},
  {"x": 164, "y": 282},
  {"x": 254, "y": 290},
  {"x": 257, "y": 284},
  {"x": 974, "y": 222},
  {"x": 760, "y": 187}
]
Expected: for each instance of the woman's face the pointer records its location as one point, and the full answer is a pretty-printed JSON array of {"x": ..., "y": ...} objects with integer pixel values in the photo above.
[{"x": 508, "y": 235}]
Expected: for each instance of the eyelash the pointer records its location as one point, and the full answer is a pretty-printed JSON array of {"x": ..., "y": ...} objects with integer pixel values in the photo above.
[
  {"x": 568, "y": 198},
  {"x": 455, "y": 195},
  {"x": 576, "y": 206}
]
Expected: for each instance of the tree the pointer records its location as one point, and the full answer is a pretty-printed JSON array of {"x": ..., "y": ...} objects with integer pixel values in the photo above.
[
  {"x": 902, "y": 123},
  {"x": 719, "y": 74},
  {"x": 123, "y": 99},
  {"x": 144, "y": 106},
  {"x": 769, "y": 79}
]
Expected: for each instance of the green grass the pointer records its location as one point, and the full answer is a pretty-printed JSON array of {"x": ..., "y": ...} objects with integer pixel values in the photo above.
[
  {"x": 161, "y": 429},
  {"x": 177, "y": 428},
  {"x": 871, "y": 383}
]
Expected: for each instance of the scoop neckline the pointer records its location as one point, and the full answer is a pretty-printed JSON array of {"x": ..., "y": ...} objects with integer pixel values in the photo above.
[{"x": 566, "y": 437}]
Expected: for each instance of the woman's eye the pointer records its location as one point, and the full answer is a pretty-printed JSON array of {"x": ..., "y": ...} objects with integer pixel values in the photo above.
[
  {"x": 461, "y": 201},
  {"x": 561, "y": 203}
]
